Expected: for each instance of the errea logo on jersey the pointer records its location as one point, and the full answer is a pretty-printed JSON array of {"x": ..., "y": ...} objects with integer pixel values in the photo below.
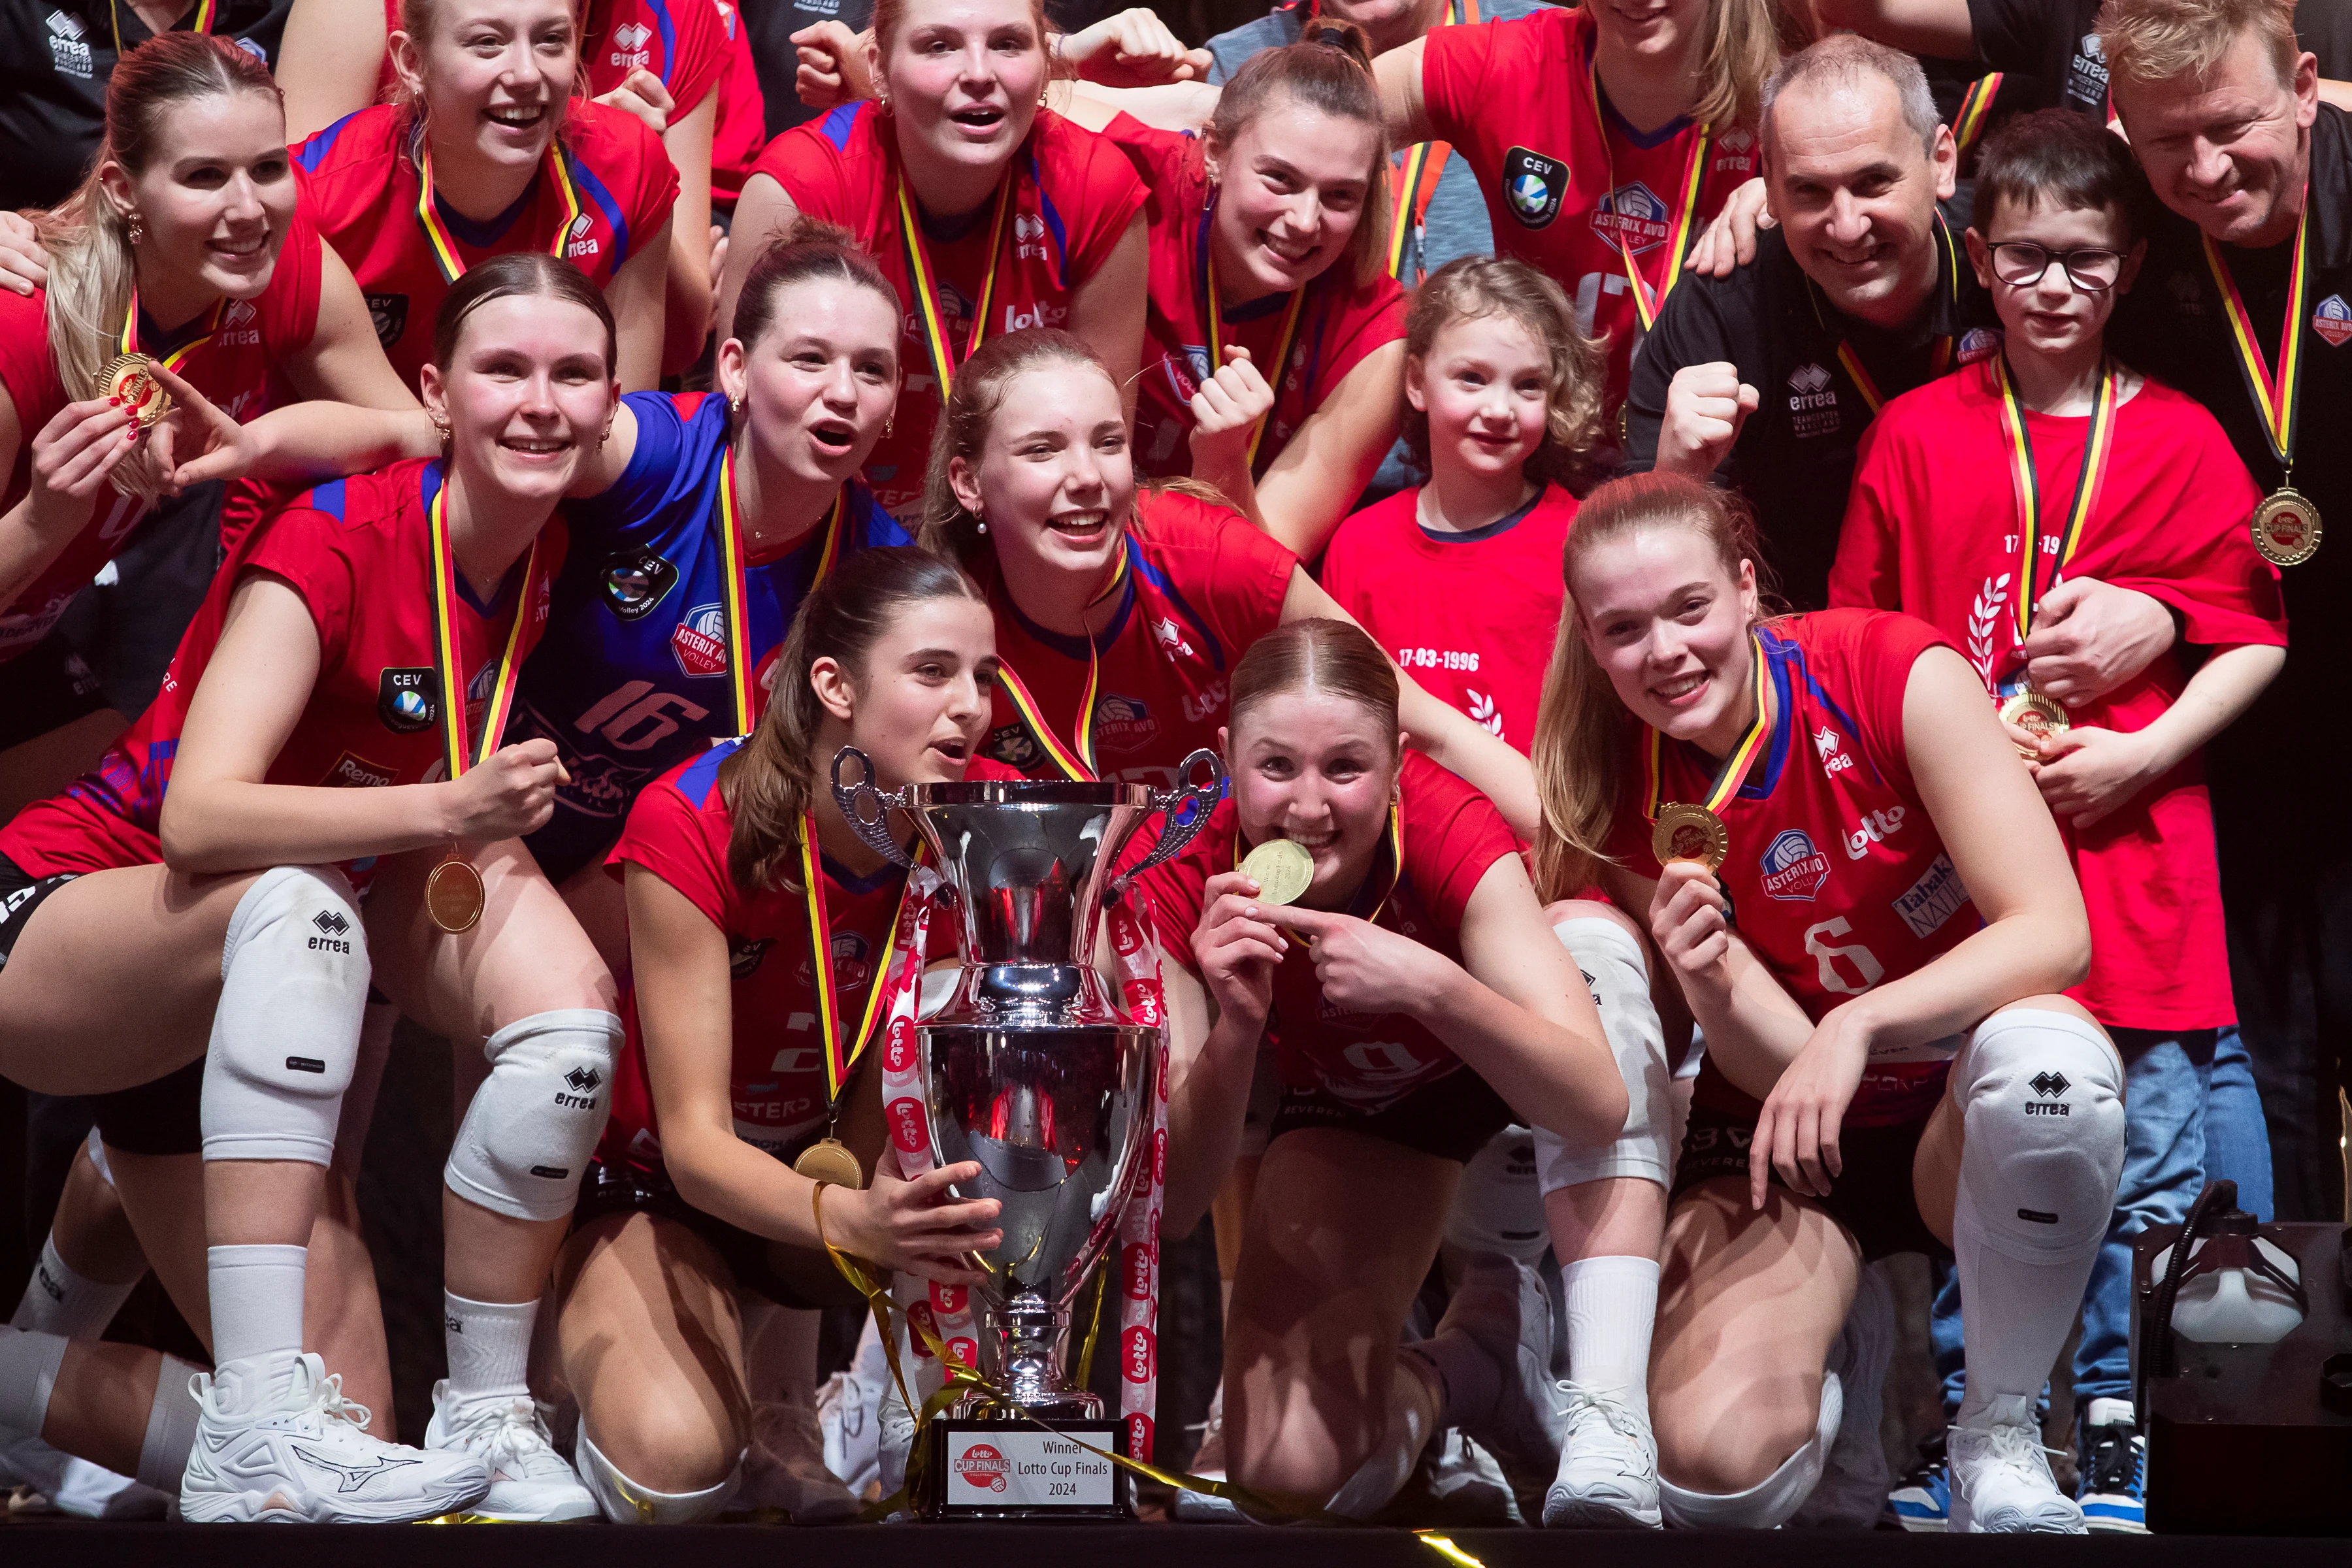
[
  {"x": 1812, "y": 402},
  {"x": 1171, "y": 638},
  {"x": 1028, "y": 237},
  {"x": 241, "y": 325},
  {"x": 629, "y": 41},
  {"x": 1825, "y": 746},
  {"x": 68, "y": 53},
  {"x": 582, "y": 245}
]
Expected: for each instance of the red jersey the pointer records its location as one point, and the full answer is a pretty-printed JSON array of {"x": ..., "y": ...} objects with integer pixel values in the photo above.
[
  {"x": 742, "y": 129},
  {"x": 679, "y": 830},
  {"x": 361, "y": 183},
  {"x": 232, "y": 369},
  {"x": 683, "y": 42},
  {"x": 1463, "y": 613},
  {"x": 1838, "y": 879},
  {"x": 1073, "y": 195},
  {"x": 1450, "y": 838},
  {"x": 1340, "y": 322},
  {"x": 1203, "y": 585},
  {"x": 1564, "y": 184},
  {"x": 356, "y": 550},
  {"x": 2170, "y": 521}
]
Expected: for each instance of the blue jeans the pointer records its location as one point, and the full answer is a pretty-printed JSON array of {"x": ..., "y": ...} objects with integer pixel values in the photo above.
[{"x": 2190, "y": 1114}]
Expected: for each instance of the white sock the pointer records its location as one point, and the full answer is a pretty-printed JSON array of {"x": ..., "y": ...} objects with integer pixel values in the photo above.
[
  {"x": 256, "y": 1296},
  {"x": 1612, "y": 1304},
  {"x": 28, "y": 1370},
  {"x": 171, "y": 1428},
  {"x": 59, "y": 1301},
  {"x": 490, "y": 1348}
]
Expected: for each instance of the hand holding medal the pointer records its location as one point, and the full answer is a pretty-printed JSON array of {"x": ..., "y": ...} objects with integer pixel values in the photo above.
[{"x": 1681, "y": 831}]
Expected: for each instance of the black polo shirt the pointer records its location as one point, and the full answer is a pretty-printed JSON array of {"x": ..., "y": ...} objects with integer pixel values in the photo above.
[
  {"x": 2172, "y": 326},
  {"x": 2055, "y": 44},
  {"x": 1794, "y": 459},
  {"x": 54, "y": 58}
]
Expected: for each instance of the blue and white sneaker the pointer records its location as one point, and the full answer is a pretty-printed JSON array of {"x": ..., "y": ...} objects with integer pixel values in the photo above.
[
  {"x": 1922, "y": 1500},
  {"x": 2113, "y": 1464}
]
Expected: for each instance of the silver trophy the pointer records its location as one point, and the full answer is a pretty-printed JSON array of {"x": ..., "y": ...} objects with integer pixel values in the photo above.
[{"x": 1028, "y": 1069}]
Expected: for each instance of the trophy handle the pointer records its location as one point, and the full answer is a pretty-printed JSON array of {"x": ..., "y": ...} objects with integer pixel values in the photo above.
[
  {"x": 855, "y": 800},
  {"x": 1175, "y": 832}
]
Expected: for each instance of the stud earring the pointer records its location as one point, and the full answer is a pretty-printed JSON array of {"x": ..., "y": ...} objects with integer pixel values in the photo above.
[{"x": 734, "y": 408}]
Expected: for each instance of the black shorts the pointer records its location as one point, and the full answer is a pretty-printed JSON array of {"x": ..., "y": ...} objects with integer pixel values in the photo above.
[
  {"x": 1872, "y": 1199},
  {"x": 50, "y": 687},
  {"x": 1451, "y": 1119},
  {"x": 164, "y": 1117},
  {"x": 813, "y": 1283}
]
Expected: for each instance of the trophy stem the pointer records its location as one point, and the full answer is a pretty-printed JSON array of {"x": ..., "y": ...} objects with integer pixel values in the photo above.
[{"x": 1031, "y": 1329}]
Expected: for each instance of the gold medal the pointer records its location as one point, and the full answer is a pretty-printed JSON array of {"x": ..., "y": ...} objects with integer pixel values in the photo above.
[
  {"x": 2037, "y": 713},
  {"x": 1684, "y": 832},
  {"x": 1282, "y": 868},
  {"x": 453, "y": 896},
  {"x": 829, "y": 1160},
  {"x": 2286, "y": 527},
  {"x": 131, "y": 378}
]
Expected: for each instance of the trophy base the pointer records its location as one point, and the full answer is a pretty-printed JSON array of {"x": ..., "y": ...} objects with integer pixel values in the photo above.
[{"x": 1007, "y": 1468}]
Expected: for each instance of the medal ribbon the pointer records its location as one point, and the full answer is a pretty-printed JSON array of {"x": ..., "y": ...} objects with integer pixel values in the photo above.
[
  {"x": 926, "y": 295},
  {"x": 1074, "y": 763},
  {"x": 128, "y": 343},
  {"x": 202, "y": 24},
  {"x": 1647, "y": 302},
  {"x": 2031, "y": 583},
  {"x": 1742, "y": 756},
  {"x": 841, "y": 1053},
  {"x": 1940, "y": 356},
  {"x": 444, "y": 244},
  {"x": 2275, "y": 394},
  {"x": 1976, "y": 106},
  {"x": 1423, "y": 166},
  {"x": 456, "y": 744},
  {"x": 1213, "y": 318},
  {"x": 746, "y": 694}
]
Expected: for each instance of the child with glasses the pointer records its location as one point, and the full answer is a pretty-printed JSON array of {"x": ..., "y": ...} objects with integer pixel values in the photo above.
[{"x": 2051, "y": 466}]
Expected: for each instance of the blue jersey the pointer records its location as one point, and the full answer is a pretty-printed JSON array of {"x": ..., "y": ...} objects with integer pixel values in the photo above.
[{"x": 631, "y": 677}]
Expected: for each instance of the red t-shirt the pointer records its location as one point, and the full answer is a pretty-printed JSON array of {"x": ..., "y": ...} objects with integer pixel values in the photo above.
[
  {"x": 232, "y": 370},
  {"x": 2170, "y": 521},
  {"x": 681, "y": 41},
  {"x": 1838, "y": 879},
  {"x": 1342, "y": 322},
  {"x": 1512, "y": 98},
  {"x": 1452, "y": 837},
  {"x": 1465, "y": 615},
  {"x": 356, "y": 550},
  {"x": 1073, "y": 195},
  {"x": 678, "y": 829},
  {"x": 742, "y": 129},
  {"x": 1205, "y": 585},
  {"x": 360, "y": 185}
]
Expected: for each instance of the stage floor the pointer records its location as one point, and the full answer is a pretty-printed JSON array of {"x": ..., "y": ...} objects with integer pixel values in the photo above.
[{"x": 46, "y": 1544}]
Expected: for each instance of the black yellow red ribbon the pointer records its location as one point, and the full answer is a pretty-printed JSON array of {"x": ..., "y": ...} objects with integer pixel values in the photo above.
[
  {"x": 1733, "y": 772},
  {"x": 444, "y": 244},
  {"x": 1648, "y": 302},
  {"x": 128, "y": 341},
  {"x": 2277, "y": 393},
  {"x": 1940, "y": 356},
  {"x": 202, "y": 24},
  {"x": 924, "y": 282},
  {"x": 748, "y": 697},
  {"x": 1424, "y": 166},
  {"x": 1074, "y": 762},
  {"x": 2097, "y": 444},
  {"x": 457, "y": 745},
  {"x": 840, "y": 1050},
  {"x": 1213, "y": 322},
  {"x": 1976, "y": 107}
]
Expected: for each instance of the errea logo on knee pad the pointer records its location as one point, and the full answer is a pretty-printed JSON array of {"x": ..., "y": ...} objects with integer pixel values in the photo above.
[
  {"x": 583, "y": 1082},
  {"x": 2053, "y": 1087}
]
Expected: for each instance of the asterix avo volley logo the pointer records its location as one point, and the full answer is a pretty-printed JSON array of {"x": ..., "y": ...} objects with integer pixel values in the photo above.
[
  {"x": 1633, "y": 216},
  {"x": 1534, "y": 186}
]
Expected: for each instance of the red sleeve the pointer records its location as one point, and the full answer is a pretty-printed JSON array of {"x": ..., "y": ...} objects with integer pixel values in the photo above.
[
  {"x": 1878, "y": 649},
  {"x": 26, "y": 368},
  {"x": 1159, "y": 156},
  {"x": 1868, "y": 574},
  {"x": 1457, "y": 65},
  {"x": 305, "y": 548},
  {"x": 2206, "y": 569},
  {"x": 1233, "y": 574},
  {"x": 683, "y": 846},
  {"x": 701, "y": 53},
  {"x": 1094, "y": 186},
  {"x": 290, "y": 303},
  {"x": 648, "y": 178},
  {"x": 1453, "y": 836},
  {"x": 811, "y": 167}
]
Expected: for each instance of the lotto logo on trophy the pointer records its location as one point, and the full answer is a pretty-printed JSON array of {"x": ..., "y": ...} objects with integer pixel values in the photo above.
[{"x": 1030, "y": 1071}]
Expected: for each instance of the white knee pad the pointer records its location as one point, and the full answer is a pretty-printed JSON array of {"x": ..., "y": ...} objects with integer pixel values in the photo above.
[
  {"x": 1770, "y": 1503},
  {"x": 1610, "y": 959},
  {"x": 1497, "y": 1206},
  {"x": 2043, "y": 1094},
  {"x": 536, "y": 1119},
  {"x": 625, "y": 1501},
  {"x": 294, "y": 980}
]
